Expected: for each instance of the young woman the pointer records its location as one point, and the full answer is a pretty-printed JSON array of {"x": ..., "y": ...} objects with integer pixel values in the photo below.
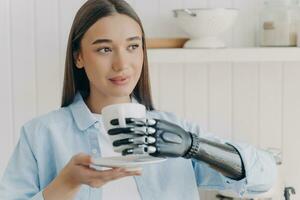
[{"x": 106, "y": 63}]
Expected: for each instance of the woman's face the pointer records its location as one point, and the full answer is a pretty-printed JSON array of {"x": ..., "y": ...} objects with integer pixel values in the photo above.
[{"x": 112, "y": 55}]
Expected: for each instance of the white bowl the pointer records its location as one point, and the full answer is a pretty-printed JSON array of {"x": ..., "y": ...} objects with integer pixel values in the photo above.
[{"x": 205, "y": 25}]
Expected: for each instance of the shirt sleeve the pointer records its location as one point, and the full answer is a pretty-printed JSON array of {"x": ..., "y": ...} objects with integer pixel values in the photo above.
[
  {"x": 20, "y": 179},
  {"x": 260, "y": 168}
]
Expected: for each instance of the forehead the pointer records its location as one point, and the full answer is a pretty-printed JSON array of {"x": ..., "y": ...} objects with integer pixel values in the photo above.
[{"x": 116, "y": 27}]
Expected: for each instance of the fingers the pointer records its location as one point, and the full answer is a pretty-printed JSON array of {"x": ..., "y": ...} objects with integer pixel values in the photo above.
[
  {"x": 141, "y": 135},
  {"x": 115, "y": 122},
  {"x": 135, "y": 140},
  {"x": 136, "y": 122},
  {"x": 116, "y": 131},
  {"x": 141, "y": 149},
  {"x": 82, "y": 159},
  {"x": 97, "y": 179},
  {"x": 144, "y": 130},
  {"x": 123, "y": 142},
  {"x": 79, "y": 171},
  {"x": 111, "y": 174}
]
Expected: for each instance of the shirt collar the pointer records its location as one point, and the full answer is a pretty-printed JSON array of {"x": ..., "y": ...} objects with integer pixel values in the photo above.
[{"x": 82, "y": 114}]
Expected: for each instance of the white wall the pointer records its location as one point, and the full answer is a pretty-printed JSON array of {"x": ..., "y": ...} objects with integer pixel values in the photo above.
[{"x": 253, "y": 102}]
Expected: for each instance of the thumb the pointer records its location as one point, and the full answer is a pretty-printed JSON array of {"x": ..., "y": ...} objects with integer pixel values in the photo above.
[{"x": 82, "y": 159}]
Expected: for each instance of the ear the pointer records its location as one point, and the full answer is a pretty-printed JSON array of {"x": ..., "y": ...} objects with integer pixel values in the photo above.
[{"x": 78, "y": 59}]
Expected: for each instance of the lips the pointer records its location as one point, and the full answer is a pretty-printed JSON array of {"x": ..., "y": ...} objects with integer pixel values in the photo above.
[{"x": 119, "y": 80}]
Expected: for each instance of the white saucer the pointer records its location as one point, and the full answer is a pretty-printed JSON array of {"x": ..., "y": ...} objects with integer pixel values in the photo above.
[{"x": 130, "y": 162}]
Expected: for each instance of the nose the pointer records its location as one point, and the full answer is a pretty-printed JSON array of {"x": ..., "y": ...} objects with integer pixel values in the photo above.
[{"x": 120, "y": 62}]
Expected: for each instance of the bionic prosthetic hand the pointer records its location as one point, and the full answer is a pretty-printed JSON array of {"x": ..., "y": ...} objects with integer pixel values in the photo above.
[{"x": 161, "y": 138}]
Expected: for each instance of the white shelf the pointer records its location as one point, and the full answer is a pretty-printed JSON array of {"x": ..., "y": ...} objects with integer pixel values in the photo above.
[{"x": 280, "y": 54}]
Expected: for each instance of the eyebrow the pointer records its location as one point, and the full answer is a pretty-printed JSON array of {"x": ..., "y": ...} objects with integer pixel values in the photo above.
[{"x": 98, "y": 41}]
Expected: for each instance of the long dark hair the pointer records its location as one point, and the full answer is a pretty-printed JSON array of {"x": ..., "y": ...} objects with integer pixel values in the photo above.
[{"x": 76, "y": 80}]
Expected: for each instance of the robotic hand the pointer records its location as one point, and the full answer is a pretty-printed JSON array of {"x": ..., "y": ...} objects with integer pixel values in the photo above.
[
  {"x": 161, "y": 138},
  {"x": 157, "y": 137}
]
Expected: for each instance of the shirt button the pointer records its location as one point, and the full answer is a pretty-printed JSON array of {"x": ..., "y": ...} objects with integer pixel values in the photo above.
[
  {"x": 96, "y": 125},
  {"x": 94, "y": 151},
  {"x": 242, "y": 192}
]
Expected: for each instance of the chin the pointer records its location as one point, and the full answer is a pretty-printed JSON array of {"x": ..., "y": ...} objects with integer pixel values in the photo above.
[{"x": 121, "y": 93}]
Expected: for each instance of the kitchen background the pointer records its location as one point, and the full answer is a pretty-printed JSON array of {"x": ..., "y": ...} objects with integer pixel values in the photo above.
[{"x": 244, "y": 94}]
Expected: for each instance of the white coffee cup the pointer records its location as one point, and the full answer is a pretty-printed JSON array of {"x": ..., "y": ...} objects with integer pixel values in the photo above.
[{"x": 121, "y": 112}]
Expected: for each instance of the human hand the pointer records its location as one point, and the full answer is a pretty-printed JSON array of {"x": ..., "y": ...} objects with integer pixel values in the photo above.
[{"x": 77, "y": 172}]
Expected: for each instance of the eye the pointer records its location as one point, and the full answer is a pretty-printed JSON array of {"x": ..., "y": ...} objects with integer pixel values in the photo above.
[
  {"x": 104, "y": 50},
  {"x": 133, "y": 47}
]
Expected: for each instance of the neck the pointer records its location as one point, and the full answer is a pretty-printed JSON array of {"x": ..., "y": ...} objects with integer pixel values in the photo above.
[{"x": 96, "y": 102}]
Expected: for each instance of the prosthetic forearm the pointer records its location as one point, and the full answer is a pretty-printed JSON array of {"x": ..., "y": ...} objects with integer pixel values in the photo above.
[
  {"x": 222, "y": 157},
  {"x": 164, "y": 139}
]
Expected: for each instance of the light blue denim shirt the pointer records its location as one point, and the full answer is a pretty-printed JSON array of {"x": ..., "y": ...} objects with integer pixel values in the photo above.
[{"x": 47, "y": 143}]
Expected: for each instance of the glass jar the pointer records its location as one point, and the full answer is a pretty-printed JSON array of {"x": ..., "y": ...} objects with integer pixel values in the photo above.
[{"x": 278, "y": 23}]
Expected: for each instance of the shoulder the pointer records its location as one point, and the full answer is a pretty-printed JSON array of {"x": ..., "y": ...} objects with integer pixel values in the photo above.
[
  {"x": 186, "y": 124},
  {"x": 54, "y": 119}
]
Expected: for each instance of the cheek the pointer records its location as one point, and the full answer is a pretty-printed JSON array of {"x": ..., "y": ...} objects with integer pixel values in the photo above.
[
  {"x": 139, "y": 64},
  {"x": 93, "y": 60},
  {"x": 97, "y": 69},
  {"x": 137, "y": 72}
]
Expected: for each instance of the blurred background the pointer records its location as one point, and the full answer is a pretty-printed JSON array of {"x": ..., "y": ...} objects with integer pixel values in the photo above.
[{"x": 244, "y": 86}]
